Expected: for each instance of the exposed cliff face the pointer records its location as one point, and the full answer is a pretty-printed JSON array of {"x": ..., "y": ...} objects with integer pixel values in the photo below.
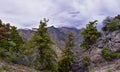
[
  {"x": 58, "y": 36},
  {"x": 97, "y": 63}
]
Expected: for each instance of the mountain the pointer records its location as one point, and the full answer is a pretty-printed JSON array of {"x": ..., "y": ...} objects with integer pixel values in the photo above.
[
  {"x": 102, "y": 56},
  {"x": 90, "y": 60},
  {"x": 58, "y": 36}
]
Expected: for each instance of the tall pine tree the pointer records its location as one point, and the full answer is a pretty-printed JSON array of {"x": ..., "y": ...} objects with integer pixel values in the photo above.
[
  {"x": 46, "y": 59},
  {"x": 66, "y": 61}
]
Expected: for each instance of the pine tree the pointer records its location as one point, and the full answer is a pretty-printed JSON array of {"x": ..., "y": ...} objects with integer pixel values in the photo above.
[
  {"x": 3, "y": 36},
  {"x": 66, "y": 61},
  {"x": 15, "y": 39},
  {"x": 90, "y": 34},
  {"x": 46, "y": 59},
  {"x": 10, "y": 41}
]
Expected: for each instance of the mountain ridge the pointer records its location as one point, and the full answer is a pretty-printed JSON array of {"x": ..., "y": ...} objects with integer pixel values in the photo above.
[{"x": 58, "y": 35}]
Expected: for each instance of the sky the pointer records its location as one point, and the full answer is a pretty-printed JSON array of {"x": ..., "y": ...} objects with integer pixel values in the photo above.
[{"x": 67, "y": 13}]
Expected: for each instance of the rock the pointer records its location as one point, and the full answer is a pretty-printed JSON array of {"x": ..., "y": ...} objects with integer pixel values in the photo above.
[
  {"x": 95, "y": 54},
  {"x": 101, "y": 45},
  {"x": 117, "y": 36},
  {"x": 117, "y": 46},
  {"x": 117, "y": 41}
]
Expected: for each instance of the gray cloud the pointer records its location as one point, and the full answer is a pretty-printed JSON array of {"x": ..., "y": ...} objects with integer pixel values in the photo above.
[{"x": 71, "y": 13}]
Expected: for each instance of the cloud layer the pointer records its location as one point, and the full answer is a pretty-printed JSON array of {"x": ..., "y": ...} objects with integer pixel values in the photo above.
[{"x": 70, "y": 13}]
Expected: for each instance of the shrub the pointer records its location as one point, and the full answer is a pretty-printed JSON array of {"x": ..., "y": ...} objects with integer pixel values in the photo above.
[
  {"x": 11, "y": 57},
  {"x": 111, "y": 24},
  {"x": 109, "y": 70},
  {"x": 86, "y": 62},
  {"x": 107, "y": 54},
  {"x": 114, "y": 25},
  {"x": 116, "y": 55},
  {"x": 4, "y": 68},
  {"x": 64, "y": 64},
  {"x": 84, "y": 45}
]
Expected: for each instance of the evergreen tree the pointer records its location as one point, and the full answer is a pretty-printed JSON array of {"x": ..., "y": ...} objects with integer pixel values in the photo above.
[
  {"x": 66, "y": 61},
  {"x": 3, "y": 36},
  {"x": 90, "y": 34},
  {"x": 10, "y": 41},
  {"x": 15, "y": 39},
  {"x": 46, "y": 59}
]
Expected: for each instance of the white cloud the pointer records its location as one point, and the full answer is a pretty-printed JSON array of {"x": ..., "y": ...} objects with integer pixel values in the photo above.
[{"x": 71, "y": 13}]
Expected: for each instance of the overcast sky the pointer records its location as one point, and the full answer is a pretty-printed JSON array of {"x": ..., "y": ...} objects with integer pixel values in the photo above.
[{"x": 70, "y": 13}]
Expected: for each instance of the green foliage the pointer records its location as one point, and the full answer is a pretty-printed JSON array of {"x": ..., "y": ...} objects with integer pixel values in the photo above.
[
  {"x": 109, "y": 55},
  {"x": 66, "y": 61},
  {"x": 15, "y": 39},
  {"x": 10, "y": 42},
  {"x": 85, "y": 62},
  {"x": 64, "y": 64},
  {"x": 4, "y": 68},
  {"x": 84, "y": 45},
  {"x": 90, "y": 34},
  {"x": 46, "y": 58},
  {"x": 92, "y": 70},
  {"x": 112, "y": 24},
  {"x": 109, "y": 70}
]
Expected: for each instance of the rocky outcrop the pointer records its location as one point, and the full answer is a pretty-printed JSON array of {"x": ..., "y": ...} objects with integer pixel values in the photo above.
[{"x": 110, "y": 40}]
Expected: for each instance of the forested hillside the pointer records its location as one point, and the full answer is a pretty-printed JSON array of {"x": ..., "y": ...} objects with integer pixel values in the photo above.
[{"x": 50, "y": 49}]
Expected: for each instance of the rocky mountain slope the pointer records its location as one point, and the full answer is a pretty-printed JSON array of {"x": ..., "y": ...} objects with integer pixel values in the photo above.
[
  {"x": 6, "y": 66},
  {"x": 58, "y": 35},
  {"x": 96, "y": 62}
]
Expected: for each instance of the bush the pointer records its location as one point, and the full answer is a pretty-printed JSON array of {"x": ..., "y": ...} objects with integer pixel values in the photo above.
[
  {"x": 86, "y": 62},
  {"x": 114, "y": 25},
  {"x": 4, "y": 68},
  {"x": 84, "y": 45},
  {"x": 63, "y": 64},
  {"x": 109, "y": 70},
  {"x": 116, "y": 55},
  {"x": 2, "y": 52},
  {"x": 11, "y": 57},
  {"x": 107, "y": 54},
  {"x": 111, "y": 24}
]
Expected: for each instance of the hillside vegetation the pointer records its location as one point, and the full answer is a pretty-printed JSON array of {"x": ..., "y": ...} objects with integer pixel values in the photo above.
[{"x": 61, "y": 49}]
